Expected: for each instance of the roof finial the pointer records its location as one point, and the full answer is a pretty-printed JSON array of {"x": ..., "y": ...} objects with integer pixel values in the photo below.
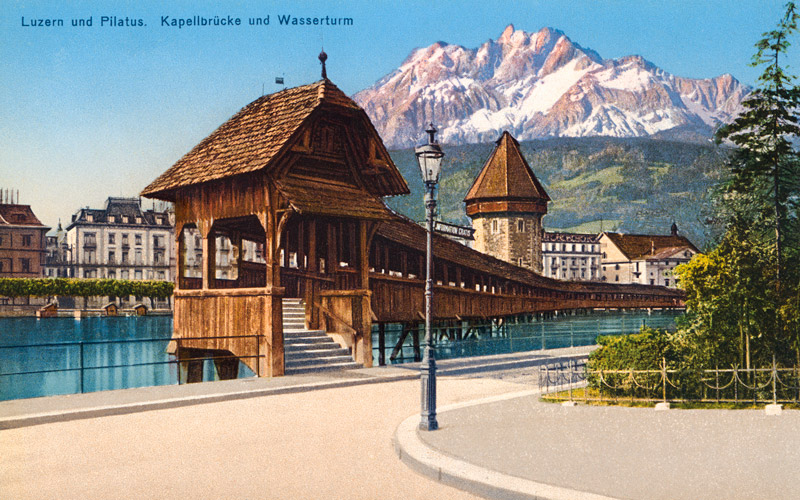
[
  {"x": 322, "y": 58},
  {"x": 431, "y": 130}
]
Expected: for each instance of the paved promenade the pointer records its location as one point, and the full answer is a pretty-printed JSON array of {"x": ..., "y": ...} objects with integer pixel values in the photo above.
[
  {"x": 545, "y": 450},
  {"x": 331, "y": 436},
  {"x": 311, "y": 437}
]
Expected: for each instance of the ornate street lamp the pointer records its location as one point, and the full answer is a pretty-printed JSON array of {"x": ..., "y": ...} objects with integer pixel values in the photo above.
[{"x": 429, "y": 157}]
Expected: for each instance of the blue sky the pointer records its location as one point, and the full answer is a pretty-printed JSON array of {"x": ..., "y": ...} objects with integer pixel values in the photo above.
[{"x": 92, "y": 112}]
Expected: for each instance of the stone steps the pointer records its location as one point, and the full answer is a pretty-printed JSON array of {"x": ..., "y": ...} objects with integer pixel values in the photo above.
[{"x": 309, "y": 351}]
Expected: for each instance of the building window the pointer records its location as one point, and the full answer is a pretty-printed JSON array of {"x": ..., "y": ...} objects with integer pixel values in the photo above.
[
  {"x": 110, "y": 238},
  {"x": 519, "y": 262},
  {"x": 124, "y": 257},
  {"x": 124, "y": 239},
  {"x": 161, "y": 275},
  {"x": 26, "y": 240},
  {"x": 139, "y": 257},
  {"x": 89, "y": 239},
  {"x": 137, "y": 275},
  {"x": 112, "y": 274},
  {"x": 138, "y": 239},
  {"x": 666, "y": 282},
  {"x": 124, "y": 219},
  {"x": 652, "y": 282},
  {"x": 520, "y": 225},
  {"x": 112, "y": 257},
  {"x": 90, "y": 217},
  {"x": 616, "y": 278},
  {"x": 616, "y": 267},
  {"x": 495, "y": 227},
  {"x": 125, "y": 274},
  {"x": 112, "y": 218}
]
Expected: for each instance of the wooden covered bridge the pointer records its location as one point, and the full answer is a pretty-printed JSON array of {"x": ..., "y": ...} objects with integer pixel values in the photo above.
[{"x": 291, "y": 188}]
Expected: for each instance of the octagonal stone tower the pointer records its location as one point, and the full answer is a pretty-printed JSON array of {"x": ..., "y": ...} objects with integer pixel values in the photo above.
[{"x": 506, "y": 204}]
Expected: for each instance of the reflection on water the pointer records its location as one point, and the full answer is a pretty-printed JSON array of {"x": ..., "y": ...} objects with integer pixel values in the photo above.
[
  {"x": 65, "y": 356},
  {"x": 520, "y": 333}
]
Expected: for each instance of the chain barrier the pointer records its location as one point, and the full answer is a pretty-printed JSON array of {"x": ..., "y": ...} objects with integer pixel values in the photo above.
[{"x": 625, "y": 383}]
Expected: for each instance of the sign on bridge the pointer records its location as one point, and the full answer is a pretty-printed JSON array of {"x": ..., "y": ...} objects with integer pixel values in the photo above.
[{"x": 453, "y": 230}]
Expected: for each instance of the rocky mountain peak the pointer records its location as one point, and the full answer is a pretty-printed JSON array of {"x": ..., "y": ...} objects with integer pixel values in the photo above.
[{"x": 539, "y": 84}]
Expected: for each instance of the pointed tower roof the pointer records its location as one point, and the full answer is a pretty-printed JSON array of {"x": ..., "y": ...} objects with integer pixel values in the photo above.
[{"x": 506, "y": 183}]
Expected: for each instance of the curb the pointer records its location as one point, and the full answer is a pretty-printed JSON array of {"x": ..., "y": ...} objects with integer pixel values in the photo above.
[
  {"x": 162, "y": 404},
  {"x": 465, "y": 476}
]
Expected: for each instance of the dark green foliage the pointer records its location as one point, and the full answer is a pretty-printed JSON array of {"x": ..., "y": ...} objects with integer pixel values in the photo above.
[
  {"x": 46, "y": 287},
  {"x": 640, "y": 351}
]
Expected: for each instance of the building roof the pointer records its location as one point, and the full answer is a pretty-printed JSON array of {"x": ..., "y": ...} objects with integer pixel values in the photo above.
[
  {"x": 119, "y": 207},
  {"x": 506, "y": 175},
  {"x": 640, "y": 246},
  {"x": 554, "y": 237},
  {"x": 668, "y": 253},
  {"x": 320, "y": 198},
  {"x": 260, "y": 132},
  {"x": 19, "y": 215}
]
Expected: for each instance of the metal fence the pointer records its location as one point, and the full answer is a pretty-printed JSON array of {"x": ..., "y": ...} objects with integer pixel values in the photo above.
[
  {"x": 717, "y": 385},
  {"x": 46, "y": 369}
]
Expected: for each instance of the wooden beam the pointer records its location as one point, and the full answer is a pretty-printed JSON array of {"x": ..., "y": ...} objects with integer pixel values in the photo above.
[
  {"x": 399, "y": 345},
  {"x": 381, "y": 344},
  {"x": 209, "y": 259},
  {"x": 363, "y": 253}
]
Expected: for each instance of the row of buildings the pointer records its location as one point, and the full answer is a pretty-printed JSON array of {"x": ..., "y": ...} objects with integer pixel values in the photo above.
[
  {"x": 506, "y": 204},
  {"x": 122, "y": 240}
]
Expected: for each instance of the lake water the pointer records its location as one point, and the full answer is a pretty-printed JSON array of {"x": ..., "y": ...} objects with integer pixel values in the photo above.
[
  {"x": 64, "y": 356},
  {"x": 525, "y": 333}
]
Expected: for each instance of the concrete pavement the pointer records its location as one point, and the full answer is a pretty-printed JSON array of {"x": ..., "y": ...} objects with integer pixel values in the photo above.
[
  {"x": 528, "y": 449},
  {"x": 329, "y": 436},
  {"x": 322, "y": 436}
]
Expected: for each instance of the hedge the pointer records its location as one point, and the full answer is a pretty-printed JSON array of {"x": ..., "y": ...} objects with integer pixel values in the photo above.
[{"x": 47, "y": 287}]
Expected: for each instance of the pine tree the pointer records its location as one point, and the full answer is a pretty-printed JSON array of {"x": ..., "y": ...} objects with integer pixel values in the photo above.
[{"x": 766, "y": 166}]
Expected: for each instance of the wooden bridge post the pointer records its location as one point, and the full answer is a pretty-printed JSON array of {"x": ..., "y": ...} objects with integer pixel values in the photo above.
[
  {"x": 271, "y": 342},
  {"x": 362, "y": 322},
  {"x": 309, "y": 293},
  {"x": 381, "y": 344}
]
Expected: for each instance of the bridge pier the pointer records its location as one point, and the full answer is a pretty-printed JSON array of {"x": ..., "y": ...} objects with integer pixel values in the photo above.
[{"x": 191, "y": 362}]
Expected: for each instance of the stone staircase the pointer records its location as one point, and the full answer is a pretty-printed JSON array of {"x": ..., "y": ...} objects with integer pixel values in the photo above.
[{"x": 308, "y": 351}]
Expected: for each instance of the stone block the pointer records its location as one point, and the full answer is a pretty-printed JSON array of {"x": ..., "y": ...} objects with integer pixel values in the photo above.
[
  {"x": 662, "y": 406},
  {"x": 773, "y": 409}
]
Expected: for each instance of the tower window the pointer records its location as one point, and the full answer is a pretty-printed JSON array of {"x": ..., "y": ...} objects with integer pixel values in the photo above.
[
  {"x": 495, "y": 226},
  {"x": 520, "y": 225}
]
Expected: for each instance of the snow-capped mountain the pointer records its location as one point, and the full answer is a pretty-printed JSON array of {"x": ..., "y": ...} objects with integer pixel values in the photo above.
[{"x": 539, "y": 85}]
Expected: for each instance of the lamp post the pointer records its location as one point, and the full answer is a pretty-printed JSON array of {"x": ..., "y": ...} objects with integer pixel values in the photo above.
[{"x": 429, "y": 157}]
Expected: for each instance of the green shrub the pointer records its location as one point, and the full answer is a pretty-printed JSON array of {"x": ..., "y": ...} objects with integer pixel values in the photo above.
[{"x": 76, "y": 287}]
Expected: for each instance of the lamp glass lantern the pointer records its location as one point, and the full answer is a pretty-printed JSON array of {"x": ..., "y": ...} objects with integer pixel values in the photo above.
[{"x": 430, "y": 157}]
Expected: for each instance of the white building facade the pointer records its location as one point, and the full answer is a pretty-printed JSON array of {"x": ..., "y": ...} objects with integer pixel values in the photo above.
[
  {"x": 122, "y": 241},
  {"x": 571, "y": 256}
]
